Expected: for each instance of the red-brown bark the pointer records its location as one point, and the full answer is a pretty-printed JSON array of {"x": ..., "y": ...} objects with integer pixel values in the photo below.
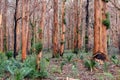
[{"x": 55, "y": 29}]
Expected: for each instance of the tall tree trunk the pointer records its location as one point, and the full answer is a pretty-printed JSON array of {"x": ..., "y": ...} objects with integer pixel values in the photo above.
[
  {"x": 48, "y": 34},
  {"x": 87, "y": 26},
  {"x": 27, "y": 29},
  {"x": 79, "y": 26},
  {"x": 99, "y": 32},
  {"x": 24, "y": 22},
  {"x": 63, "y": 30},
  {"x": 1, "y": 29},
  {"x": 76, "y": 29},
  {"x": 55, "y": 29},
  {"x": 4, "y": 24},
  {"x": 15, "y": 28},
  {"x": 41, "y": 31},
  {"x": 97, "y": 26},
  {"x": 104, "y": 30}
]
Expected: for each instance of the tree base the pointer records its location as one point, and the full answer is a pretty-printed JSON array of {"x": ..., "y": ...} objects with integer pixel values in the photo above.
[{"x": 100, "y": 56}]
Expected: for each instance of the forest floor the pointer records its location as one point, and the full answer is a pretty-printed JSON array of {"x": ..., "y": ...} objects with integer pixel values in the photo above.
[
  {"x": 68, "y": 67},
  {"x": 72, "y": 67}
]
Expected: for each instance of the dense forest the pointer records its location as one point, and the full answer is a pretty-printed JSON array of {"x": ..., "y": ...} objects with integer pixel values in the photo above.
[{"x": 59, "y": 39}]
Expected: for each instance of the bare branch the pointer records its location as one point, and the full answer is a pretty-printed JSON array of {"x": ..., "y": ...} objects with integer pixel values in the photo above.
[{"x": 115, "y": 5}]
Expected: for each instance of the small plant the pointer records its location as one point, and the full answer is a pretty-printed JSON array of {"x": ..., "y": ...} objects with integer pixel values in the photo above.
[
  {"x": 69, "y": 58},
  {"x": 90, "y": 64},
  {"x": 109, "y": 76},
  {"x": 62, "y": 64},
  {"x": 2, "y": 57},
  {"x": 37, "y": 47},
  {"x": 106, "y": 22},
  {"x": 43, "y": 69},
  {"x": 17, "y": 69},
  {"x": 56, "y": 56},
  {"x": 3, "y": 63},
  {"x": 55, "y": 69},
  {"x": 105, "y": 66},
  {"x": 39, "y": 30},
  {"x": 81, "y": 57},
  {"x": 74, "y": 70},
  {"x": 115, "y": 60},
  {"x": 9, "y": 54}
]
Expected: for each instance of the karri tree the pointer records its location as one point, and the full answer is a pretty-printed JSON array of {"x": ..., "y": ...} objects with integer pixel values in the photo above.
[
  {"x": 55, "y": 29},
  {"x": 1, "y": 31},
  {"x": 41, "y": 30},
  {"x": 102, "y": 23},
  {"x": 62, "y": 44},
  {"x": 77, "y": 25},
  {"x": 25, "y": 27}
]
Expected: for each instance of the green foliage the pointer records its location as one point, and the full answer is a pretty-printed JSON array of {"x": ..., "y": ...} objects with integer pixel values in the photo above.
[
  {"x": 17, "y": 69},
  {"x": 33, "y": 24},
  {"x": 115, "y": 60},
  {"x": 106, "y": 22},
  {"x": 9, "y": 54},
  {"x": 62, "y": 42},
  {"x": 69, "y": 58},
  {"x": 62, "y": 64},
  {"x": 2, "y": 57},
  {"x": 64, "y": 21},
  {"x": 106, "y": 1},
  {"x": 81, "y": 57},
  {"x": 27, "y": 69},
  {"x": 2, "y": 63},
  {"x": 105, "y": 67},
  {"x": 37, "y": 47},
  {"x": 109, "y": 75},
  {"x": 43, "y": 69},
  {"x": 90, "y": 64},
  {"x": 76, "y": 50},
  {"x": 55, "y": 69},
  {"x": 75, "y": 71},
  {"x": 39, "y": 30}
]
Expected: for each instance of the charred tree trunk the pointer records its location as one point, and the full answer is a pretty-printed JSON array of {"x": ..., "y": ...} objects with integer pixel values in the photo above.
[
  {"x": 15, "y": 29},
  {"x": 87, "y": 26}
]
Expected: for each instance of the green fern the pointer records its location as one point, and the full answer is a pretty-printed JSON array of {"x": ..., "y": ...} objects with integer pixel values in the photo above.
[
  {"x": 105, "y": 67},
  {"x": 90, "y": 64},
  {"x": 37, "y": 47},
  {"x": 62, "y": 64},
  {"x": 69, "y": 58},
  {"x": 106, "y": 22},
  {"x": 115, "y": 60},
  {"x": 9, "y": 54}
]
